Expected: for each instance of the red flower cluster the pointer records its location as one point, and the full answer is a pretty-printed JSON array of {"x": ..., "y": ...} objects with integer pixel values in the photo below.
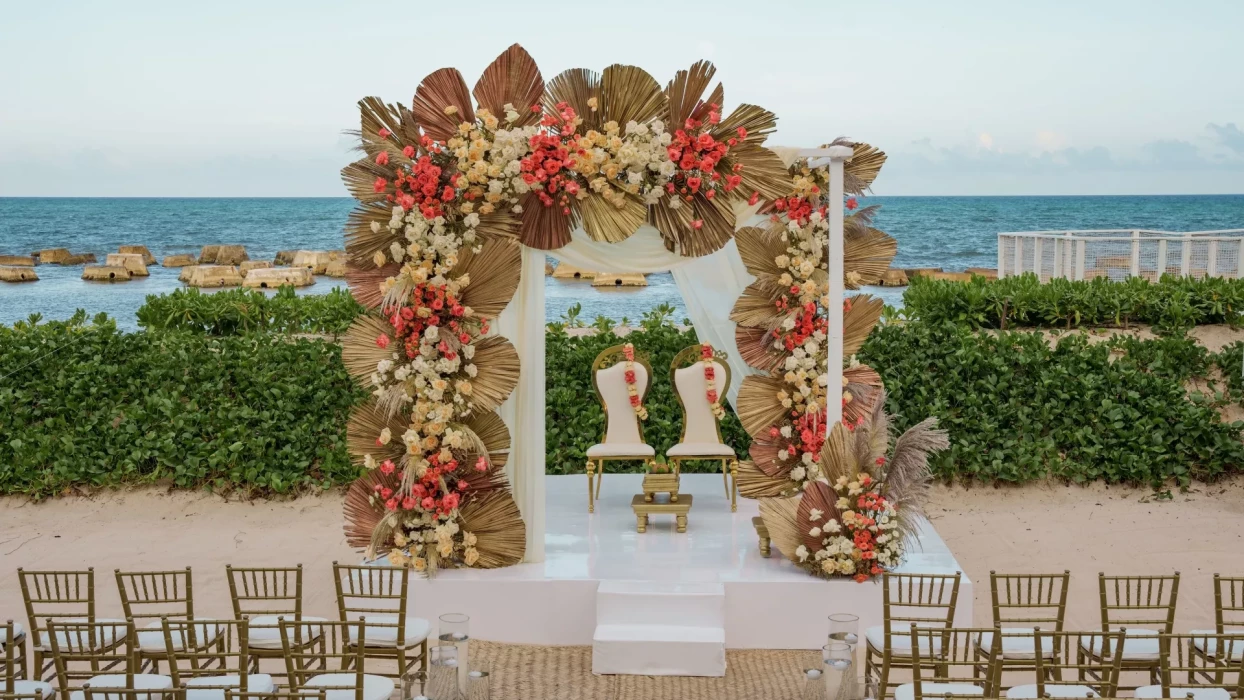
[
  {"x": 798, "y": 209},
  {"x": 432, "y": 305},
  {"x": 437, "y": 491},
  {"x": 548, "y": 168},
  {"x": 697, "y": 156},
  {"x": 427, "y": 186}
]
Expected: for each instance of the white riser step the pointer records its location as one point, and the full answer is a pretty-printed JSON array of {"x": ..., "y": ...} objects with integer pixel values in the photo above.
[
  {"x": 659, "y": 650},
  {"x": 661, "y": 603}
]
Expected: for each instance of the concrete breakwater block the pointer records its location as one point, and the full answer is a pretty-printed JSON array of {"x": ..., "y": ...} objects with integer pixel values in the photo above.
[
  {"x": 186, "y": 272},
  {"x": 181, "y": 260},
  {"x": 131, "y": 261},
  {"x": 148, "y": 258},
  {"x": 918, "y": 271},
  {"x": 106, "y": 273},
  {"x": 17, "y": 274},
  {"x": 570, "y": 272},
  {"x": 619, "y": 279},
  {"x": 52, "y": 256},
  {"x": 336, "y": 268},
  {"x": 893, "y": 278},
  {"x": 284, "y": 257},
  {"x": 314, "y": 260},
  {"x": 17, "y": 260},
  {"x": 80, "y": 259},
  {"x": 214, "y": 276},
  {"x": 208, "y": 253},
  {"x": 271, "y": 278},
  {"x": 951, "y": 276},
  {"x": 249, "y": 265},
  {"x": 231, "y": 255}
]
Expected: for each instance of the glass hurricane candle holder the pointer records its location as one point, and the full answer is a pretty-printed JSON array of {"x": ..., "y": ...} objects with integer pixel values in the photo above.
[
  {"x": 838, "y": 676},
  {"x": 844, "y": 628},
  {"x": 455, "y": 628},
  {"x": 443, "y": 666}
]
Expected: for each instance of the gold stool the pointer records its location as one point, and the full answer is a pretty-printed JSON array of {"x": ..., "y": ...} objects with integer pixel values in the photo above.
[{"x": 644, "y": 508}]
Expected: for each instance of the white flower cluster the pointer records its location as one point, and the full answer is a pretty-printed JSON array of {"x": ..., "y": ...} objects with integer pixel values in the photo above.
[{"x": 633, "y": 161}]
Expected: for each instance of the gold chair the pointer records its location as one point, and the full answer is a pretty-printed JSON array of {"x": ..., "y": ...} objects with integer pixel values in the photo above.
[
  {"x": 311, "y": 667},
  {"x": 58, "y": 595},
  {"x": 1216, "y": 675},
  {"x": 944, "y": 663},
  {"x": 116, "y": 666},
  {"x": 908, "y": 600},
  {"x": 304, "y": 694},
  {"x": 13, "y": 647},
  {"x": 701, "y": 431},
  {"x": 1067, "y": 672},
  {"x": 261, "y": 596},
  {"x": 1022, "y": 602},
  {"x": 624, "y": 433},
  {"x": 13, "y": 672},
  {"x": 1145, "y": 606},
  {"x": 149, "y": 596},
  {"x": 378, "y": 593},
  {"x": 102, "y": 693},
  {"x": 209, "y": 667},
  {"x": 1228, "y": 611}
]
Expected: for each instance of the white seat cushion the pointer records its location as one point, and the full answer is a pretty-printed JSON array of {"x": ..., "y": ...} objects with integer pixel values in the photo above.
[
  {"x": 18, "y": 633},
  {"x": 76, "y": 639},
  {"x": 257, "y": 682},
  {"x": 374, "y": 687},
  {"x": 1140, "y": 645},
  {"x": 1155, "y": 691},
  {"x": 1017, "y": 647},
  {"x": 417, "y": 630},
  {"x": 1053, "y": 691},
  {"x": 205, "y": 632},
  {"x": 142, "y": 681},
  {"x": 27, "y": 688},
  {"x": 907, "y": 691},
  {"x": 900, "y": 642},
  {"x": 621, "y": 449},
  {"x": 1210, "y": 646},
  {"x": 700, "y": 449},
  {"x": 264, "y": 632}
]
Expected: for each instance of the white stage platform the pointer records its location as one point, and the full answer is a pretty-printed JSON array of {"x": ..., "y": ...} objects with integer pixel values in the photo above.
[{"x": 770, "y": 604}]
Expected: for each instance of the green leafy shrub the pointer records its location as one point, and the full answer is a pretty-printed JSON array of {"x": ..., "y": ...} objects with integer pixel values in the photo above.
[
  {"x": 1178, "y": 357},
  {"x": 1018, "y": 410},
  {"x": 1171, "y": 304},
  {"x": 86, "y": 405},
  {"x": 234, "y": 311},
  {"x": 574, "y": 418},
  {"x": 1230, "y": 362}
]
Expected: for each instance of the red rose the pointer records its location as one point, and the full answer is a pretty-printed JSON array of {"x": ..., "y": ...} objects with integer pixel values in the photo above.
[
  {"x": 429, "y": 503},
  {"x": 384, "y": 133},
  {"x": 380, "y": 184},
  {"x": 387, "y": 467},
  {"x": 382, "y": 341},
  {"x": 391, "y": 504},
  {"x": 382, "y": 158},
  {"x": 409, "y": 503},
  {"x": 851, "y": 203},
  {"x": 409, "y": 151}
]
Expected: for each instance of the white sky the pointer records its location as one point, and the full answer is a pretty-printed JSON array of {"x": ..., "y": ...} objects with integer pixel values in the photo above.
[{"x": 250, "y": 98}]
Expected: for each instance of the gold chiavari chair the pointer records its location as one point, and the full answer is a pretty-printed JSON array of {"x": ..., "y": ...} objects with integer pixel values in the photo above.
[
  {"x": 1228, "y": 612},
  {"x": 149, "y": 596},
  {"x": 1145, "y": 606},
  {"x": 12, "y": 674},
  {"x": 304, "y": 694},
  {"x": 116, "y": 666},
  {"x": 1021, "y": 602},
  {"x": 59, "y": 595},
  {"x": 908, "y": 600},
  {"x": 207, "y": 668},
  {"x": 90, "y": 692},
  {"x": 945, "y": 663},
  {"x": 1069, "y": 673},
  {"x": 379, "y": 594},
  {"x": 261, "y": 596},
  {"x": 336, "y": 667},
  {"x": 1188, "y": 671},
  {"x": 13, "y": 647}
]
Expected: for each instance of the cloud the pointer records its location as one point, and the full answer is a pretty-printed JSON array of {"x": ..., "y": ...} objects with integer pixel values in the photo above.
[
  {"x": 985, "y": 141},
  {"x": 1173, "y": 154},
  {"x": 1228, "y": 135}
]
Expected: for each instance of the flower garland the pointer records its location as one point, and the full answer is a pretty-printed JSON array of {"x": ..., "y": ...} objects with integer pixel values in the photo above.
[
  {"x": 628, "y": 351},
  {"x": 710, "y": 379}
]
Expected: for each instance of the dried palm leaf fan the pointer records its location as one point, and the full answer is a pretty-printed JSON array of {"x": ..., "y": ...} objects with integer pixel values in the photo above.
[
  {"x": 501, "y": 537},
  {"x": 867, "y": 256},
  {"x": 864, "y": 385},
  {"x": 513, "y": 79},
  {"x": 493, "y": 437},
  {"x": 498, "y": 365},
  {"x": 758, "y": 406},
  {"x": 364, "y": 425},
  {"x": 494, "y": 273},
  {"x": 576, "y": 87},
  {"x": 362, "y": 517},
  {"x": 858, "y": 322},
  {"x": 359, "y": 350},
  {"x": 362, "y": 242},
  {"x": 862, "y": 168},
  {"x": 366, "y": 284}
]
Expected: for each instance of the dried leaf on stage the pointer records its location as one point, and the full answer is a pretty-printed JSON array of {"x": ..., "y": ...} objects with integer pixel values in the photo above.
[
  {"x": 758, "y": 407},
  {"x": 360, "y": 179},
  {"x": 865, "y": 386},
  {"x": 757, "y": 307},
  {"x": 545, "y": 228},
  {"x": 494, "y": 434},
  {"x": 442, "y": 102},
  {"x": 365, "y": 283},
  {"x": 603, "y": 221},
  {"x": 868, "y": 255},
  {"x": 628, "y": 93},
  {"x": 862, "y": 168},
  {"x": 756, "y": 348},
  {"x": 361, "y": 516},
  {"x": 498, "y": 365},
  {"x": 501, "y": 536},
  {"x": 685, "y": 92},
  {"x": 859, "y": 321},
  {"x": 816, "y": 496},
  {"x": 754, "y": 483},
  {"x": 494, "y": 272},
  {"x": 759, "y": 248},
  {"x": 781, "y": 517},
  {"x": 514, "y": 79},
  {"x": 907, "y": 477},
  {"x": 575, "y": 87},
  {"x": 361, "y": 242},
  {"x": 365, "y": 424},
  {"x": 359, "y": 351}
]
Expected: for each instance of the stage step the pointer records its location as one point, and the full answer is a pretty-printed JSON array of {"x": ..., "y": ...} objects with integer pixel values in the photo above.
[{"x": 653, "y": 628}]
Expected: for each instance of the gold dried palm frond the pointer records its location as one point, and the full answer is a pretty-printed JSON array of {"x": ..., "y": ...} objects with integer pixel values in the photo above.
[
  {"x": 669, "y": 222},
  {"x": 499, "y": 224},
  {"x": 575, "y": 87},
  {"x": 754, "y": 483},
  {"x": 684, "y": 93},
  {"x": 374, "y": 115},
  {"x": 758, "y": 406},
  {"x": 362, "y": 518},
  {"x": 865, "y": 386},
  {"x": 756, "y": 306},
  {"x": 859, "y": 321},
  {"x": 876, "y": 438},
  {"x": 364, "y": 427},
  {"x": 835, "y": 459},
  {"x": 360, "y": 179},
  {"x": 514, "y": 79},
  {"x": 907, "y": 477},
  {"x": 365, "y": 283},
  {"x": 361, "y": 242},
  {"x": 868, "y": 256},
  {"x": 759, "y": 248},
  {"x": 862, "y": 168},
  {"x": 498, "y": 365},
  {"x": 494, "y": 519},
  {"x": 764, "y": 453},
  {"x": 442, "y": 102},
  {"x": 603, "y": 221},
  {"x": 494, "y": 272},
  {"x": 359, "y": 351},
  {"x": 756, "y": 348},
  {"x": 546, "y": 228},
  {"x": 628, "y": 93},
  {"x": 781, "y": 517},
  {"x": 492, "y": 477},
  {"x": 816, "y": 496},
  {"x": 763, "y": 172},
  {"x": 716, "y": 217},
  {"x": 494, "y": 435},
  {"x": 758, "y": 121}
]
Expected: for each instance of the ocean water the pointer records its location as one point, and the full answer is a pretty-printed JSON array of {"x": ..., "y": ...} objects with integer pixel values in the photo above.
[{"x": 949, "y": 232}]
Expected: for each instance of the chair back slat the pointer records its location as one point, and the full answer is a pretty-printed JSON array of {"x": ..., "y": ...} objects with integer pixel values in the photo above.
[
  {"x": 206, "y": 648},
  {"x": 8, "y": 672},
  {"x": 1067, "y": 664},
  {"x": 102, "y": 647},
  {"x": 1228, "y": 603},
  {"x": 373, "y": 591},
  {"x": 108, "y": 693},
  {"x": 1029, "y": 600},
  {"x": 1138, "y": 601},
  {"x": 951, "y": 655},
  {"x": 151, "y": 595},
  {"x": 265, "y": 591},
  {"x": 332, "y": 652},
  {"x": 56, "y": 595}
]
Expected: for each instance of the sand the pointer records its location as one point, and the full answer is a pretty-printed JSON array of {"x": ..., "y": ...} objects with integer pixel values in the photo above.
[{"x": 1039, "y": 528}]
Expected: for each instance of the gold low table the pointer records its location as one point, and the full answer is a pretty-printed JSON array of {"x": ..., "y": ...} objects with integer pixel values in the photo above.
[
  {"x": 655, "y": 483},
  {"x": 763, "y": 533},
  {"x": 643, "y": 508}
]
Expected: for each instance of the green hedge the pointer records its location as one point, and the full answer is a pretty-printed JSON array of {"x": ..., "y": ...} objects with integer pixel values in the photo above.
[
  {"x": 1171, "y": 304},
  {"x": 1018, "y": 410},
  {"x": 82, "y": 404},
  {"x": 233, "y": 311}
]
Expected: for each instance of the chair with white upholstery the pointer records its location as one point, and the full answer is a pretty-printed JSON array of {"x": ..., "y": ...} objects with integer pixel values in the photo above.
[
  {"x": 945, "y": 664},
  {"x": 59, "y": 595},
  {"x": 378, "y": 593},
  {"x": 1020, "y": 603},
  {"x": 13, "y": 648},
  {"x": 12, "y": 673},
  {"x": 304, "y": 694},
  {"x": 624, "y": 436},
  {"x": 149, "y": 596},
  {"x": 103, "y": 693},
  {"x": 1188, "y": 671},
  {"x": 207, "y": 668},
  {"x": 908, "y": 600},
  {"x": 336, "y": 667},
  {"x": 701, "y": 431},
  {"x": 260, "y": 596},
  {"x": 1145, "y": 606},
  {"x": 1228, "y": 612},
  {"x": 115, "y": 666},
  {"x": 1068, "y": 672}
]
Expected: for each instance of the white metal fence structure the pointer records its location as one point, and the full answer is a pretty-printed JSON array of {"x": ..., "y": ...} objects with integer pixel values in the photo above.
[{"x": 1118, "y": 254}]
